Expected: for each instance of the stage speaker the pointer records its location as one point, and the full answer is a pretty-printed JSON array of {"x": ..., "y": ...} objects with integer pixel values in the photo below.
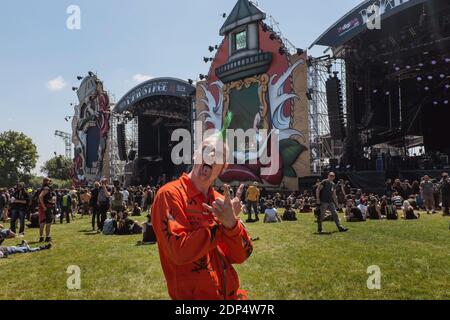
[
  {"x": 121, "y": 142},
  {"x": 335, "y": 108}
]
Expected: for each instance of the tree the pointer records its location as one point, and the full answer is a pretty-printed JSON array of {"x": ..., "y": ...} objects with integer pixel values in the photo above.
[
  {"x": 58, "y": 168},
  {"x": 18, "y": 156}
]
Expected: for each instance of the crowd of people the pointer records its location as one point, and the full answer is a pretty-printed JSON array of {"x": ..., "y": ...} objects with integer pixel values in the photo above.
[{"x": 112, "y": 208}]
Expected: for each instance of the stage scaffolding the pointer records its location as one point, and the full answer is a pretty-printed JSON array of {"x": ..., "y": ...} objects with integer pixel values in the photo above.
[
  {"x": 323, "y": 147},
  {"x": 117, "y": 166}
]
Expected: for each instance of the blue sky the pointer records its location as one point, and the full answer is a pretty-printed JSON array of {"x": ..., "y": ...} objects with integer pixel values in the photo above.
[{"x": 123, "y": 42}]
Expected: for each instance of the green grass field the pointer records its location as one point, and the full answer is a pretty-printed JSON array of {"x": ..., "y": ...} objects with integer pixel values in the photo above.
[{"x": 289, "y": 262}]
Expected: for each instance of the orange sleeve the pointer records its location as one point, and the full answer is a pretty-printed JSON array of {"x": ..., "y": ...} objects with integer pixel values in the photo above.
[
  {"x": 175, "y": 235},
  {"x": 236, "y": 244}
]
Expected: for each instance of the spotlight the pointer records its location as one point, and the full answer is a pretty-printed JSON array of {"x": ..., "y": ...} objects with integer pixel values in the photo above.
[
  {"x": 190, "y": 81},
  {"x": 430, "y": 77},
  {"x": 447, "y": 60},
  {"x": 408, "y": 67},
  {"x": 74, "y": 88},
  {"x": 375, "y": 91},
  {"x": 205, "y": 59},
  {"x": 224, "y": 15},
  {"x": 272, "y": 36},
  {"x": 91, "y": 74},
  {"x": 360, "y": 89},
  {"x": 421, "y": 64},
  {"x": 386, "y": 62},
  {"x": 433, "y": 62},
  {"x": 419, "y": 79},
  {"x": 265, "y": 28},
  {"x": 281, "y": 51},
  {"x": 300, "y": 51},
  {"x": 79, "y": 78},
  {"x": 435, "y": 103},
  {"x": 427, "y": 88},
  {"x": 446, "y": 102},
  {"x": 211, "y": 48},
  {"x": 202, "y": 77},
  {"x": 442, "y": 76},
  {"x": 397, "y": 68},
  {"x": 216, "y": 47},
  {"x": 388, "y": 93},
  {"x": 447, "y": 86}
]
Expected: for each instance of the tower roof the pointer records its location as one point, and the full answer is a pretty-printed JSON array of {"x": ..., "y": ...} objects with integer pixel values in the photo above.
[{"x": 244, "y": 12}]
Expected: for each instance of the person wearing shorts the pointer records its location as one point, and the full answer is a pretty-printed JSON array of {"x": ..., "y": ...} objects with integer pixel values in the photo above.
[
  {"x": 46, "y": 210},
  {"x": 427, "y": 190}
]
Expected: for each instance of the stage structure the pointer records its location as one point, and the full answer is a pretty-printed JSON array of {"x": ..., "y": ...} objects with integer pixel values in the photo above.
[
  {"x": 397, "y": 83},
  {"x": 90, "y": 127},
  {"x": 144, "y": 120},
  {"x": 258, "y": 76}
]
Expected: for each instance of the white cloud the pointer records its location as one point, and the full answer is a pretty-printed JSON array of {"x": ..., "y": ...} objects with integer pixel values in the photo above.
[
  {"x": 139, "y": 78},
  {"x": 56, "y": 84}
]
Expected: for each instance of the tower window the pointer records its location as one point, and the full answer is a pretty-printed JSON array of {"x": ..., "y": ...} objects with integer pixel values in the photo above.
[{"x": 241, "y": 40}]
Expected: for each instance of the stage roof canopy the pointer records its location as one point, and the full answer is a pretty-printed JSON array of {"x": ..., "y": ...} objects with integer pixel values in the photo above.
[
  {"x": 355, "y": 22},
  {"x": 169, "y": 87}
]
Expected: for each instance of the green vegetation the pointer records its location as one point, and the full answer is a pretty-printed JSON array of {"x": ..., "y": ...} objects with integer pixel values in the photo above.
[{"x": 289, "y": 262}]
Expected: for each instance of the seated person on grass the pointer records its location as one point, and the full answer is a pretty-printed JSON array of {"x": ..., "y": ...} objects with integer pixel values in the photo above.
[
  {"x": 271, "y": 214},
  {"x": 23, "y": 248},
  {"x": 6, "y": 234},
  {"x": 34, "y": 221},
  {"x": 110, "y": 225},
  {"x": 352, "y": 212},
  {"x": 127, "y": 226},
  {"x": 149, "y": 236},
  {"x": 136, "y": 212},
  {"x": 373, "y": 211},
  {"x": 408, "y": 212},
  {"x": 390, "y": 210},
  {"x": 289, "y": 214},
  {"x": 363, "y": 208}
]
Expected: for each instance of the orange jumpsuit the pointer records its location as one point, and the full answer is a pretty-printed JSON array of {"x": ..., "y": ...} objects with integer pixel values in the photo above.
[{"x": 196, "y": 251}]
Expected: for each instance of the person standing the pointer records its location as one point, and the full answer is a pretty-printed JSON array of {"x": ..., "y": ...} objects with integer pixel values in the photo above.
[
  {"x": 66, "y": 206},
  {"x": 93, "y": 204},
  {"x": 327, "y": 200},
  {"x": 252, "y": 198},
  {"x": 199, "y": 233},
  {"x": 103, "y": 203},
  {"x": 445, "y": 193},
  {"x": 47, "y": 201},
  {"x": 19, "y": 206},
  {"x": 427, "y": 193}
]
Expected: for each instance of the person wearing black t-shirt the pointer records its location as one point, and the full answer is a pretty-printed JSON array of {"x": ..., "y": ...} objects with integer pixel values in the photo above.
[
  {"x": 327, "y": 200},
  {"x": 47, "y": 201},
  {"x": 19, "y": 206}
]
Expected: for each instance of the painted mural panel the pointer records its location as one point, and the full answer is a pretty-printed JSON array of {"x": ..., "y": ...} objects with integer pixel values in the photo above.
[
  {"x": 272, "y": 99},
  {"x": 90, "y": 126}
]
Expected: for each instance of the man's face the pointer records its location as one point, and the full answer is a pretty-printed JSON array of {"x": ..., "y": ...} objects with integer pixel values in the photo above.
[
  {"x": 210, "y": 161},
  {"x": 331, "y": 176},
  {"x": 427, "y": 178}
]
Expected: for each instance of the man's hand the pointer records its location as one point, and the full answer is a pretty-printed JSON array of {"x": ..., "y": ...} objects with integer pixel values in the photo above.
[{"x": 226, "y": 210}]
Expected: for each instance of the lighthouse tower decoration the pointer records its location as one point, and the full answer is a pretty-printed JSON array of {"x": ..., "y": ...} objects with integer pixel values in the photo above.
[{"x": 255, "y": 77}]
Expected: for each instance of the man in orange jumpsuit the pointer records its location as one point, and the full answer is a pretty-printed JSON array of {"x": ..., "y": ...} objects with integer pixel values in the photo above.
[{"x": 199, "y": 233}]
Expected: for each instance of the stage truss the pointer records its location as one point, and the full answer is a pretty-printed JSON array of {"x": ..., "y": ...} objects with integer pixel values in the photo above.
[
  {"x": 323, "y": 147},
  {"x": 117, "y": 166}
]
